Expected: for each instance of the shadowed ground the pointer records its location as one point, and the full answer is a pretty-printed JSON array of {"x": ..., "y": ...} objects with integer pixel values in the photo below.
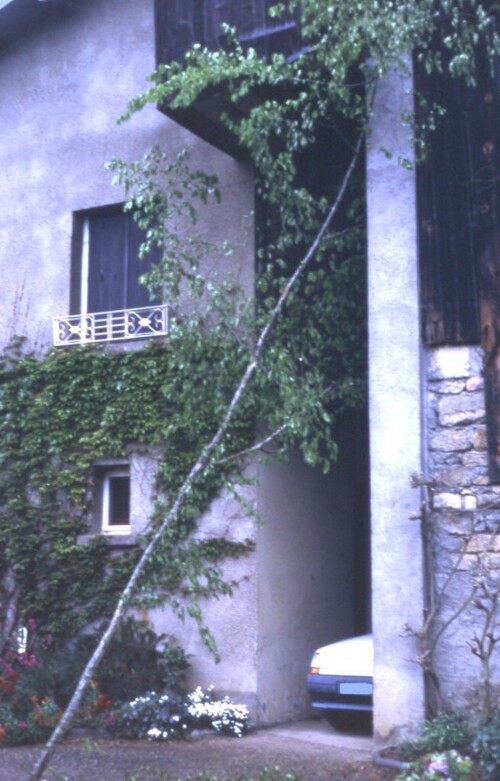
[{"x": 309, "y": 749}]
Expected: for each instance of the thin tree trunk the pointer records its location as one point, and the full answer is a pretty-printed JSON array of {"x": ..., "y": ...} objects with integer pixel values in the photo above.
[{"x": 200, "y": 464}]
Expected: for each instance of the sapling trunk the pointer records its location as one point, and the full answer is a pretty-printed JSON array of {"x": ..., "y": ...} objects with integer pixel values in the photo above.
[{"x": 201, "y": 463}]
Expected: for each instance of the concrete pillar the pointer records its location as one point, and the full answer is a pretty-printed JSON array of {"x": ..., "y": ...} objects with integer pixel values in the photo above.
[{"x": 395, "y": 398}]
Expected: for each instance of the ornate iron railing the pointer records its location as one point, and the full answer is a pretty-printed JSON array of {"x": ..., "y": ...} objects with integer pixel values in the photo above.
[{"x": 111, "y": 326}]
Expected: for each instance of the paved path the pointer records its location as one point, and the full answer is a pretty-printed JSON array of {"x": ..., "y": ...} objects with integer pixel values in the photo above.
[{"x": 310, "y": 749}]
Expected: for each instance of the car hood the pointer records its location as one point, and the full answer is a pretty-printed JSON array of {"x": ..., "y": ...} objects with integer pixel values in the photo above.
[{"x": 347, "y": 657}]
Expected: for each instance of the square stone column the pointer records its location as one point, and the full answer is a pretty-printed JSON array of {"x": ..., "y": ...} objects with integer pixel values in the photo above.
[{"x": 395, "y": 399}]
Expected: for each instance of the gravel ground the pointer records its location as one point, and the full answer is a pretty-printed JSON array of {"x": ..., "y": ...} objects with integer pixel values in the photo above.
[{"x": 311, "y": 750}]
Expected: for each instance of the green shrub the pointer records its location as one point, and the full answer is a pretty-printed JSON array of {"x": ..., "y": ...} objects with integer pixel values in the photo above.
[
  {"x": 136, "y": 661},
  {"x": 446, "y": 731},
  {"x": 449, "y": 736},
  {"x": 451, "y": 730},
  {"x": 28, "y": 711},
  {"x": 486, "y": 745},
  {"x": 441, "y": 766},
  {"x": 36, "y": 683}
]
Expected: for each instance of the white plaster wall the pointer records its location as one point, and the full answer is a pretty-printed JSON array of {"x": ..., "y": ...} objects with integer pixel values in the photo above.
[
  {"x": 233, "y": 621},
  {"x": 63, "y": 86},
  {"x": 295, "y": 592},
  {"x": 306, "y": 571},
  {"x": 395, "y": 418}
]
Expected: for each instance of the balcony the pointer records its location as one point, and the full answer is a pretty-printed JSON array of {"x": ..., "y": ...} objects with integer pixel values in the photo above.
[
  {"x": 120, "y": 325},
  {"x": 181, "y": 23}
]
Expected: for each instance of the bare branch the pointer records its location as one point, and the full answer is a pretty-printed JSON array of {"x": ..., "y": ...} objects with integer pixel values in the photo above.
[{"x": 255, "y": 448}]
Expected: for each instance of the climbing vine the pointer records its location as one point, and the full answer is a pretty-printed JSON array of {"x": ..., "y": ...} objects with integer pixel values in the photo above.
[{"x": 62, "y": 413}]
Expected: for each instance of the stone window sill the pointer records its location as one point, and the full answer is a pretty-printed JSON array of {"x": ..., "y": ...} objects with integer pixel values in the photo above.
[{"x": 114, "y": 540}]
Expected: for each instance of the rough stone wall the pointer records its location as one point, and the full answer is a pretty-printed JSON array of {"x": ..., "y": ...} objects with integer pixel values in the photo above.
[{"x": 462, "y": 521}]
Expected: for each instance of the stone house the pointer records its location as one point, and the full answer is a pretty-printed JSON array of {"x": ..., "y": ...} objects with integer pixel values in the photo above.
[{"x": 324, "y": 567}]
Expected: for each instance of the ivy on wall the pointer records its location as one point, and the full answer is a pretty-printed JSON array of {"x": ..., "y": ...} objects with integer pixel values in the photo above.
[{"x": 62, "y": 413}]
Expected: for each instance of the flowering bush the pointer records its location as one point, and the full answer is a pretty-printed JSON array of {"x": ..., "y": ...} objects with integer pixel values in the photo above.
[
  {"x": 446, "y": 765},
  {"x": 157, "y": 716},
  {"x": 38, "y": 675},
  {"x": 166, "y": 716},
  {"x": 223, "y": 715},
  {"x": 27, "y": 709}
]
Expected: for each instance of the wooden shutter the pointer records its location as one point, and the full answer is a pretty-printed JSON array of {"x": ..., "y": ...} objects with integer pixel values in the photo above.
[
  {"x": 108, "y": 251},
  {"x": 459, "y": 216},
  {"x": 114, "y": 263},
  {"x": 446, "y": 214},
  {"x": 137, "y": 294}
]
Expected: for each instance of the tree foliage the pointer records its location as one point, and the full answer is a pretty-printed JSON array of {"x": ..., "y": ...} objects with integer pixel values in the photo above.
[
  {"x": 59, "y": 416},
  {"x": 298, "y": 120}
]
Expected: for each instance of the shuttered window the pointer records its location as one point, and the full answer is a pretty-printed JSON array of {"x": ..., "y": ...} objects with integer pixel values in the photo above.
[{"x": 106, "y": 264}]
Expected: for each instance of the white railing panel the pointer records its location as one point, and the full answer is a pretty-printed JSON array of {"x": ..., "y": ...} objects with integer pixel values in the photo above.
[{"x": 111, "y": 326}]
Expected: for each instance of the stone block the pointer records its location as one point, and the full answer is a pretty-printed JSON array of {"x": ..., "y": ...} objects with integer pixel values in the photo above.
[
  {"x": 455, "y": 476},
  {"x": 451, "y": 523},
  {"x": 480, "y": 439},
  {"x": 447, "y": 501},
  {"x": 481, "y": 480},
  {"x": 451, "y": 439},
  {"x": 469, "y": 502},
  {"x": 487, "y": 521},
  {"x": 473, "y": 458},
  {"x": 466, "y": 409},
  {"x": 482, "y": 543},
  {"x": 467, "y": 563},
  {"x": 474, "y": 384},
  {"x": 447, "y": 363},
  {"x": 491, "y": 562},
  {"x": 452, "y": 387},
  {"x": 488, "y": 501}
]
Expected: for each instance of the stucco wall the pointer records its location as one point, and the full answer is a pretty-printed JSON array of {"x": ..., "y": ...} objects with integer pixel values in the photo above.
[
  {"x": 63, "y": 86},
  {"x": 233, "y": 621},
  {"x": 305, "y": 585}
]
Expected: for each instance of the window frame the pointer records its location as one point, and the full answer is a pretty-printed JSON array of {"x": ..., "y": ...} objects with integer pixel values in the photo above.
[
  {"x": 129, "y": 264},
  {"x": 105, "y": 504}
]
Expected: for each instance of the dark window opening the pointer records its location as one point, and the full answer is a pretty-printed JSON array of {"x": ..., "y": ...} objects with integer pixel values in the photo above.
[
  {"x": 106, "y": 267},
  {"x": 118, "y": 505},
  {"x": 112, "y": 499}
]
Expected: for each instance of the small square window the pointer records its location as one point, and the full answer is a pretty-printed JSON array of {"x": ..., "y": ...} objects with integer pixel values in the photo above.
[
  {"x": 122, "y": 499},
  {"x": 115, "y": 500}
]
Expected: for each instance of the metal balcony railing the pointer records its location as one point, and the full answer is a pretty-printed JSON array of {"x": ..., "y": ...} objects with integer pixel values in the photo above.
[{"x": 114, "y": 326}]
